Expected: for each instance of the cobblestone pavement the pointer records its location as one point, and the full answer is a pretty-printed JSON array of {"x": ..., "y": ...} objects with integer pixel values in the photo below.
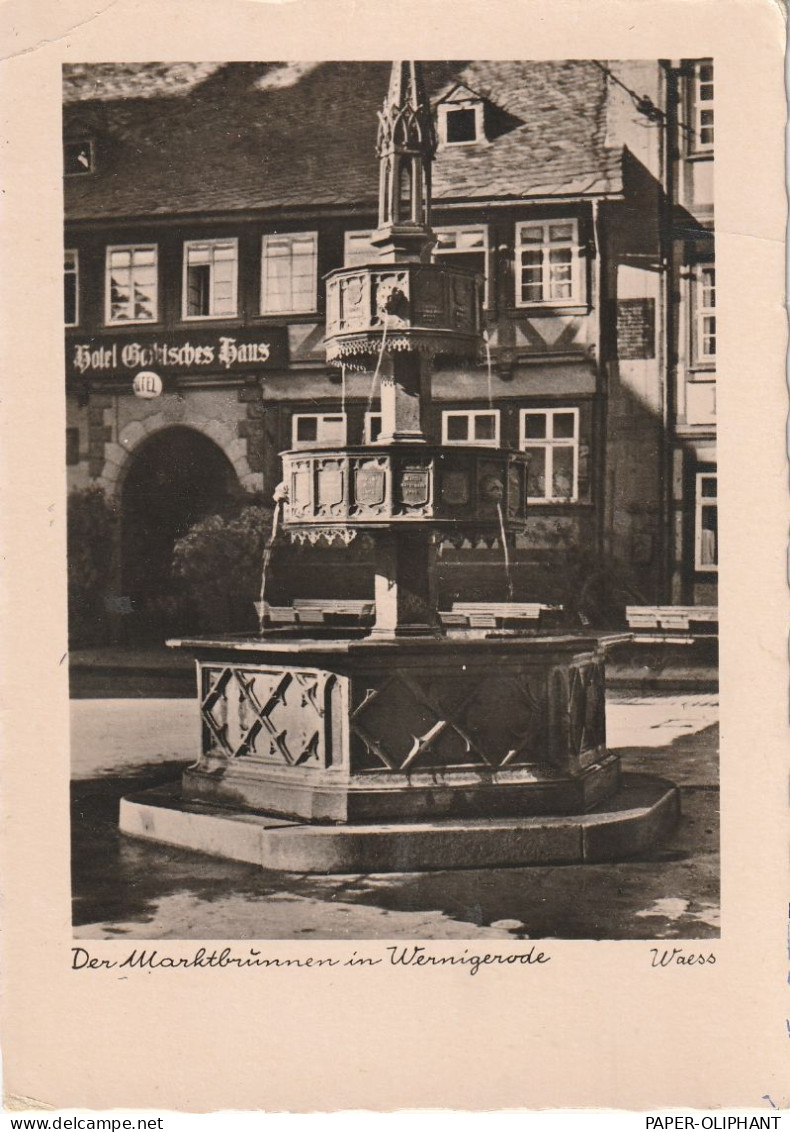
[{"x": 136, "y": 890}]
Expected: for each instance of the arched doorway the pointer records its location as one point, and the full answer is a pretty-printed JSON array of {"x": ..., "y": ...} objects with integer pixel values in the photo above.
[{"x": 175, "y": 478}]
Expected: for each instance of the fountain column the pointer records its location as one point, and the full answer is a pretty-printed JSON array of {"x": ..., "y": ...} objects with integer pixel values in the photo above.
[{"x": 405, "y": 560}]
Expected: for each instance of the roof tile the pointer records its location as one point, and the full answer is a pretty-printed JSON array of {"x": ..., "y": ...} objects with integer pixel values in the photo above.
[{"x": 188, "y": 138}]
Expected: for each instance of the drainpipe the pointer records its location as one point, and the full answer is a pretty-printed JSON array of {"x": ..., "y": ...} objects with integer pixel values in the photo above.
[
  {"x": 668, "y": 359},
  {"x": 601, "y": 395}
]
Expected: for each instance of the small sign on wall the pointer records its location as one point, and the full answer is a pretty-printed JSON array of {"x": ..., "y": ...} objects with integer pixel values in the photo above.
[
  {"x": 147, "y": 384},
  {"x": 636, "y": 328}
]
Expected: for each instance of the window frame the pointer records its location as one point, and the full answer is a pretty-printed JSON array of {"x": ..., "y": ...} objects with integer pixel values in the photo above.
[
  {"x": 367, "y": 431},
  {"x": 699, "y": 312},
  {"x": 212, "y": 243},
  {"x": 91, "y": 144},
  {"x": 577, "y": 296},
  {"x": 701, "y": 503},
  {"x": 485, "y": 250},
  {"x": 447, "y": 108},
  {"x": 549, "y": 443},
  {"x": 469, "y": 414},
  {"x": 358, "y": 232},
  {"x": 318, "y": 442},
  {"x": 291, "y": 236},
  {"x": 108, "y": 320},
  {"x": 76, "y": 273},
  {"x": 697, "y": 147}
]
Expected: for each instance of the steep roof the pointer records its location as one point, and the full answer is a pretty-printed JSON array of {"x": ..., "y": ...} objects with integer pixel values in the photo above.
[{"x": 186, "y": 138}]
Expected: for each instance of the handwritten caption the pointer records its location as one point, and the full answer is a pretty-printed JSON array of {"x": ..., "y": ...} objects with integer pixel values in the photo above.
[{"x": 410, "y": 955}]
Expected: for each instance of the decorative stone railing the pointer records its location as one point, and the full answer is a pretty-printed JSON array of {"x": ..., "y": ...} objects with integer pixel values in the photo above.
[
  {"x": 426, "y": 307},
  {"x": 370, "y": 487}
]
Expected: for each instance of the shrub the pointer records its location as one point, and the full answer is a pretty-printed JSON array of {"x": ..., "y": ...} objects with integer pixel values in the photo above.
[
  {"x": 92, "y": 522},
  {"x": 596, "y": 592},
  {"x": 219, "y": 560}
]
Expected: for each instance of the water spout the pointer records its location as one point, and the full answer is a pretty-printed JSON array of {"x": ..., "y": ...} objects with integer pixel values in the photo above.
[
  {"x": 279, "y": 498},
  {"x": 505, "y": 552},
  {"x": 489, "y": 370}
]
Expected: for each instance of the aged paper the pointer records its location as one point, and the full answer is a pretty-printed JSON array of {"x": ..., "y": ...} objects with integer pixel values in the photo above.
[{"x": 302, "y": 1024}]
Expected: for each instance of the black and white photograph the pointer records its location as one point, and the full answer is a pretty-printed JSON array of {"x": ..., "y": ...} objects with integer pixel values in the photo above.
[{"x": 392, "y": 507}]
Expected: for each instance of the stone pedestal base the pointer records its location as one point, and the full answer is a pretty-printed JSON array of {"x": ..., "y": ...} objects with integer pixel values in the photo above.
[{"x": 639, "y": 815}]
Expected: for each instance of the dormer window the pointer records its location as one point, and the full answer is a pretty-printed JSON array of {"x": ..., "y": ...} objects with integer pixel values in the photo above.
[
  {"x": 461, "y": 126},
  {"x": 460, "y": 118},
  {"x": 78, "y": 157}
]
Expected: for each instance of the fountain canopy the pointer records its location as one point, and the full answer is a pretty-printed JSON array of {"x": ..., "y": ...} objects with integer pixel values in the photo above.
[{"x": 393, "y": 317}]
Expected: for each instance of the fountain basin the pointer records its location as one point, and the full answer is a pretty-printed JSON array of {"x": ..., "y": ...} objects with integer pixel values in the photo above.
[{"x": 345, "y": 730}]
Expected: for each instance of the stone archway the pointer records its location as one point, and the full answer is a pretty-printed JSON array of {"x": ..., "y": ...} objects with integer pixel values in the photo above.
[
  {"x": 174, "y": 478},
  {"x": 174, "y": 413}
]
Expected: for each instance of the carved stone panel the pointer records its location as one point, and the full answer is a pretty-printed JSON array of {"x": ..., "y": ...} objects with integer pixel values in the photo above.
[
  {"x": 578, "y": 714},
  {"x": 355, "y": 309},
  {"x": 330, "y": 487},
  {"x": 418, "y": 720},
  {"x": 430, "y": 300},
  {"x": 413, "y": 486},
  {"x": 455, "y": 488},
  {"x": 370, "y": 485},
  {"x": 392, "y": 298},
  {"x": 300, "y": 494},
  {"x": 267, "y": 714}
]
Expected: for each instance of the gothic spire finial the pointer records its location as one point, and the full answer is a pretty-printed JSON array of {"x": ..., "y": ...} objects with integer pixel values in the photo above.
[{"x": 406, "y": 145}]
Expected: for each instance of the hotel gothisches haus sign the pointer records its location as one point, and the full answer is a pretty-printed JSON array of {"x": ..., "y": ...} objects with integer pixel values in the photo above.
[{"x": 177, "y": 354}]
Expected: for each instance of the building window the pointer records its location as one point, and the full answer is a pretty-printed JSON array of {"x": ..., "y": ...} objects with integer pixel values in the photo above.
[
  {"x": 466, "y": 246},
  {"x": 470, "y": 427},
  {"x": 71, "y": 288},
  {"x": 702, "y": 107},
  {"x": 210, "y": 272},
  {"x": 547, "y": 263},
  {"x": 358, "y": 250},
  {"x": 461, "y": 123},
  {"x": 372, "y": 427},
  {"x": 72, "y": 446},
  {"x": 461, "y": 126},
  {"x": 316, "y": 430},
  {"x": 706, "y": 524},
  {"x": 78, "y": 157},
  {"x": 131, "y": 294},
  {"x": 703, "y": 338},
  {"x": 289, "y": 273},
  {"x": 550, "y": 437}
]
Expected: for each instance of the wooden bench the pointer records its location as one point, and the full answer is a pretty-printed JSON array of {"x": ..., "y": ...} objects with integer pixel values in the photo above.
[
  {"x": 463, "y": 615},
  {"x": 316, "y": 611},
  {"x": 493, "y": 614},
  {"x": 672, "y": 617},
  {"x": 672, "y": 624}
]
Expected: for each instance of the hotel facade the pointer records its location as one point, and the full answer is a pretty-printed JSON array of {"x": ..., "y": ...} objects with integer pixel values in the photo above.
[{"x": 204, "y": 205}]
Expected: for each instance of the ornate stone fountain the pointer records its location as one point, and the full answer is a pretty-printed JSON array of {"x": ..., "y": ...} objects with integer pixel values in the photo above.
[{"x": 406, "y": 748}]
